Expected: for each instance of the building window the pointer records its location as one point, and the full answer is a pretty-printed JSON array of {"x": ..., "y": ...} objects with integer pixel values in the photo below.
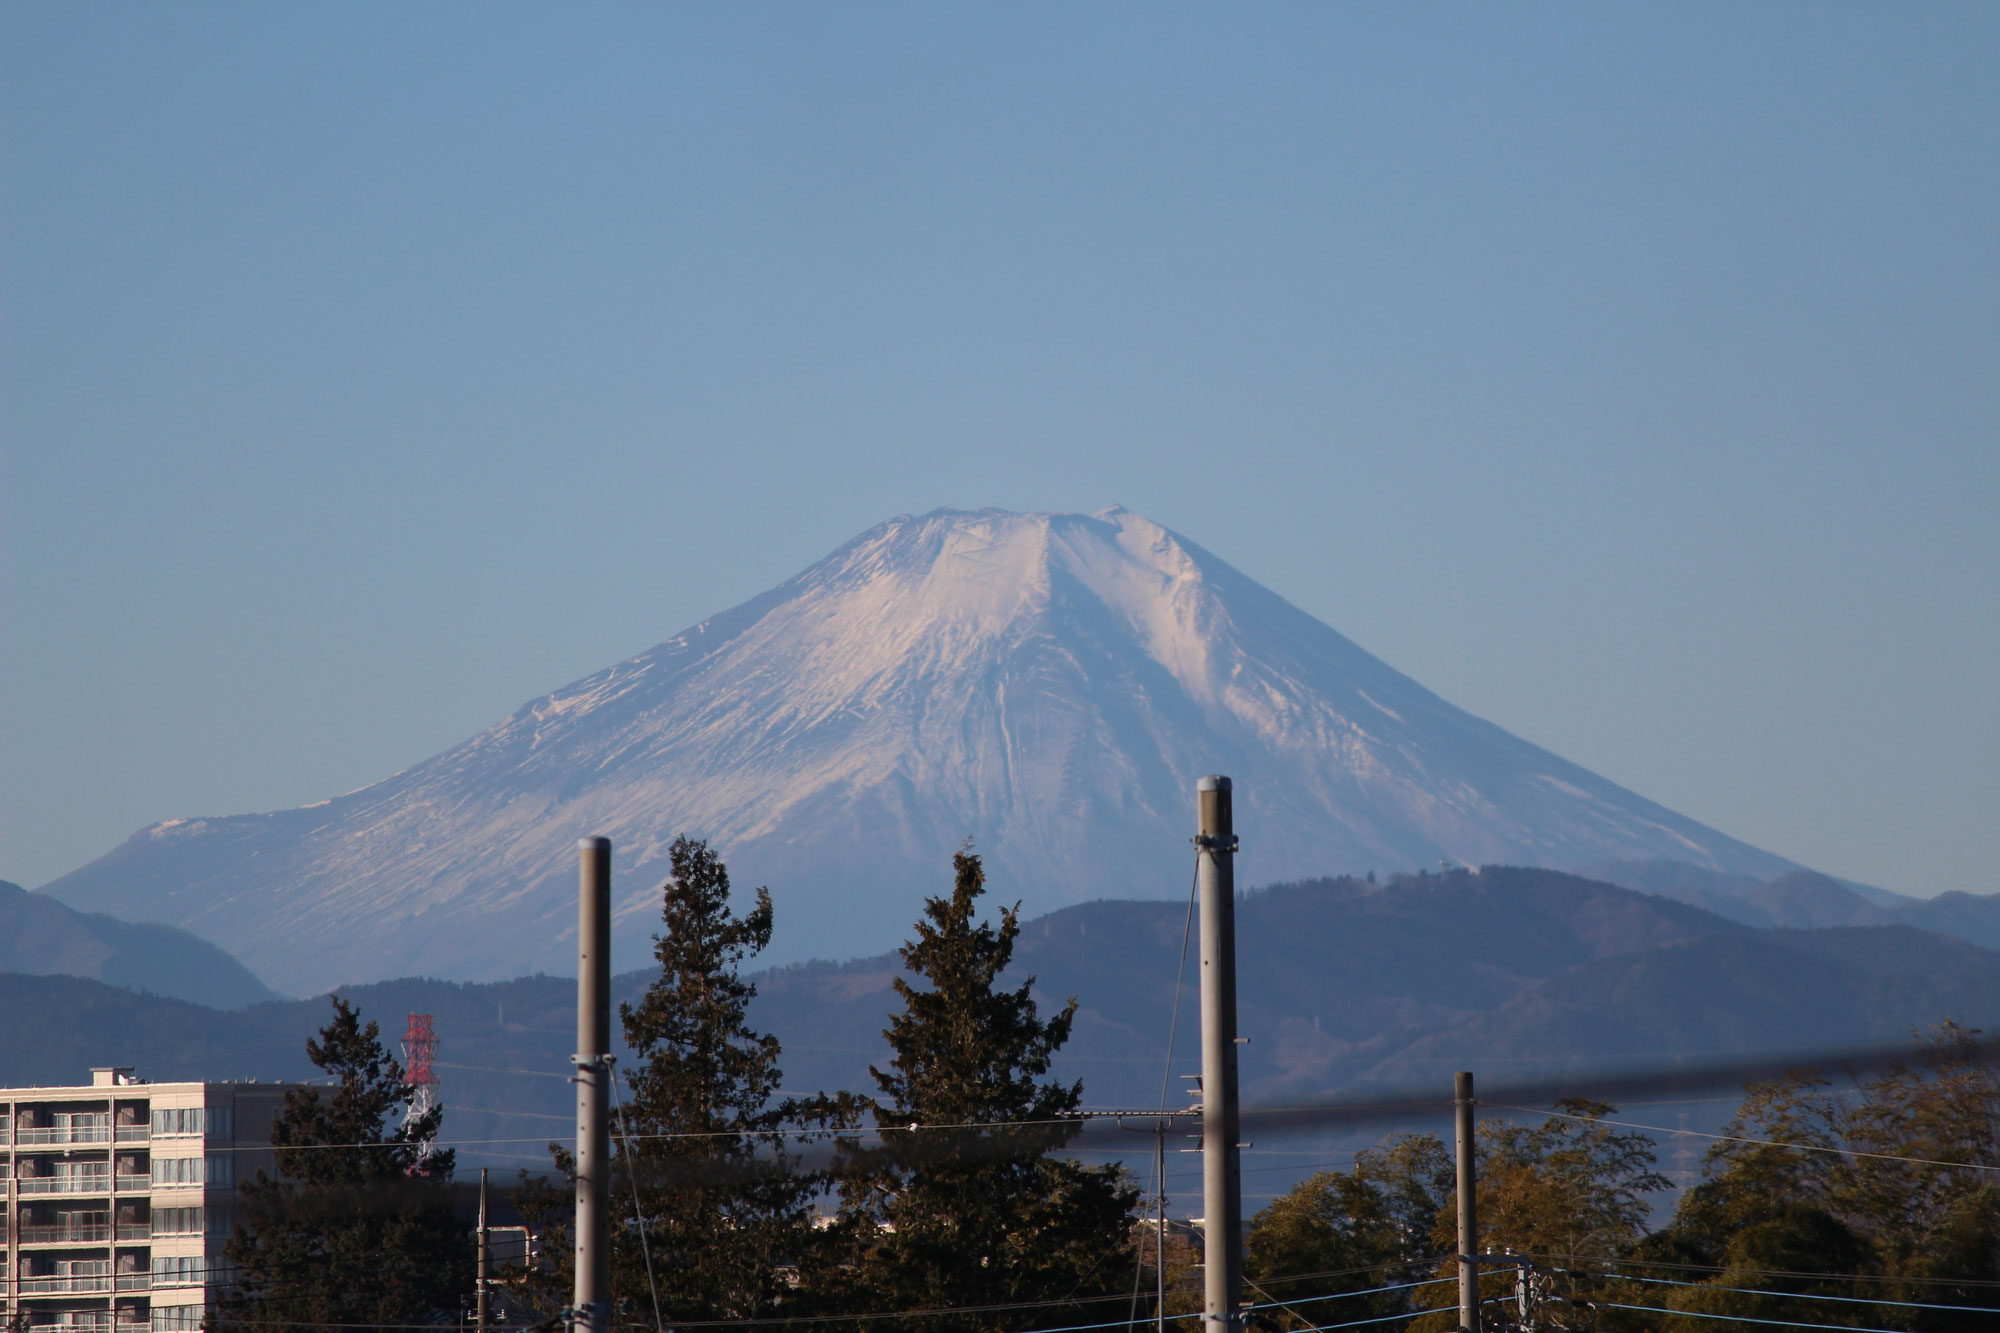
[
  {"x": 177, "y": 1221},
  {"x": 179, "y": 1270},
  {"x": 218, "y": 1122},
  {"x": 176, "y": 1317},
  {"x": 219, "y": 1170},
  {"x": 81, "y": 1127}
]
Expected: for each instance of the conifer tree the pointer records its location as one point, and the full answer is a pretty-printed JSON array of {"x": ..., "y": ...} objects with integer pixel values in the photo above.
[
  {"x": 969, "y": 1216},
  {"x": 358, "y": 1227},
  {"x": 720, "y": 1226}
]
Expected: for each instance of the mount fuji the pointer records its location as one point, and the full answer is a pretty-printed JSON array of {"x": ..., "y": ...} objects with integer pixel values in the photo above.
[{"x": 1048, "y": 685}]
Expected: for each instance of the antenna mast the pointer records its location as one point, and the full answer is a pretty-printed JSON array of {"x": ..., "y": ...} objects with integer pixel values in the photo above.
[{"x": 420, "y": 1046}]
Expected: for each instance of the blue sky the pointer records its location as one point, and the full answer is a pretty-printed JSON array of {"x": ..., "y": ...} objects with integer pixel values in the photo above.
[{"x": 1628, "y": 375}]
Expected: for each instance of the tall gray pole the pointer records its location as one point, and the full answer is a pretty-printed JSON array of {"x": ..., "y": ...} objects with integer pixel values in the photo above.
[
  {"x": 1468, "y": 1230},
  {"x": 592, "y": 1301},
  {"x": 1160, "y": 1247},
  {"x": 485, "y": 1271},
  {"x": 1221, "y": 1162}
]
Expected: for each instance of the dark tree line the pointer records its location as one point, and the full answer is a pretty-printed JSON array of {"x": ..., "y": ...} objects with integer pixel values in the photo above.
[
  {"x": 730, "y": 1200},
  {"x": 754, "y": 1205},
  {"x": 734, "y": 1201},
  {"x": 359, "y": 1227}
]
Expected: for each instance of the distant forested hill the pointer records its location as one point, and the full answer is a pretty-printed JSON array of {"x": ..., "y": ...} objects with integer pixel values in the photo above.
[
  {"x": 42, "y": 935},
  {"x": 1343, "y": 985}
]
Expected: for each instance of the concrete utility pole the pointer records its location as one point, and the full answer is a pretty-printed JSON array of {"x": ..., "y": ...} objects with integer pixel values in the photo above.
[
  {"x": 479, "y": 1309},
  {"x": 591, "y": 1305},
  {"x": 1468, "y": 1229},
  {"x": 1221, "y": 1161},
  {"x": 1160, "y": 1247}
]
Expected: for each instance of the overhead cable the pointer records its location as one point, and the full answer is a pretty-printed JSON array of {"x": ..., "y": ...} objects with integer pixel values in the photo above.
[
  {"x": 1789, "y": 1295},
  {"x": 1765, "y": 1143},
  {"x": 1746, "y": 1319}
]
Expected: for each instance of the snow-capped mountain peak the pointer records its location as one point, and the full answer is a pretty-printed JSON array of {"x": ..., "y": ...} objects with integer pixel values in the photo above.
[{"x": 1049, "y": 685}]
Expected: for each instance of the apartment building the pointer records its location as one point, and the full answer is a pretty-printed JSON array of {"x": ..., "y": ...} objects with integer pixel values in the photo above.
[{"x": 120, "y": 1196}]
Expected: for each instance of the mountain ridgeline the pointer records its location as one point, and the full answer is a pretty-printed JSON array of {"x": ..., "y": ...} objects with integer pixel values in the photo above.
[
  {"x": 43, "y": 936},
  {"x": 1050, "y": 685},
  {"x": 1345, "y": 986}
]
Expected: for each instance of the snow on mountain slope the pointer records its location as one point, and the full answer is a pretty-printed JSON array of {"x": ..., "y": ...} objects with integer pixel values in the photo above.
[{"x": 1049, "y": 685}]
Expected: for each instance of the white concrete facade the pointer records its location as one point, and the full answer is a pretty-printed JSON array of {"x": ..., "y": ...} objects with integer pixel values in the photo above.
[{"x": 120, "y": 1197}]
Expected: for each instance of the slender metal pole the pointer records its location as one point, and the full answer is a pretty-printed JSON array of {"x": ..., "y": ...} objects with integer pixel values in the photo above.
[
  {"x": 1468, "y": 1229},
  {"x": 592, "y": 1302},
  {"x": 1221, "y": 1162},
  {"x": 485, "y": 1271},
  {"x": 1160, "y": 1246}
]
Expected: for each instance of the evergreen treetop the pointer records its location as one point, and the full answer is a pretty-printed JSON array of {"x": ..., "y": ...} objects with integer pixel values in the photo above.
[
  {"x": 711, "y": 1217},
  {"x": 359, "y": 1225},
  {"x": 966, "y": 1210}
]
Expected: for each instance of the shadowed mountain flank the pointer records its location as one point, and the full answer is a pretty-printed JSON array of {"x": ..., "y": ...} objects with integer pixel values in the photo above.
[{"x": 40, "y": 935}]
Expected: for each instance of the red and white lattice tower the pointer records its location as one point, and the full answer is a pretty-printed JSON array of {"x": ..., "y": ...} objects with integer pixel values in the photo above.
[{"x": 420, "y": 1045}]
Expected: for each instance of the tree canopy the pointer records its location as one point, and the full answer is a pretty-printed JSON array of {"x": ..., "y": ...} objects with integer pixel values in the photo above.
[
  {"x": 993, "y": 1218},
  {"x": 720, "y": 1224},
  {"x": 358, "y": 1226}
]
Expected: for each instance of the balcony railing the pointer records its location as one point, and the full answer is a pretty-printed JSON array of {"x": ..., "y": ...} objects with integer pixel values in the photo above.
[
  {"x": 64, "y": 1184},
  {"x": 63, "y": 1134},
  {"x": 129, "y": 1183},
  {"x": 61, "y": 1234},
  {"x": 135, "y": 1231},
  {"x": 135, "y": 1282},
  {"x": 63, "y": 1286},
  {"x": 134, "y": 1133}
]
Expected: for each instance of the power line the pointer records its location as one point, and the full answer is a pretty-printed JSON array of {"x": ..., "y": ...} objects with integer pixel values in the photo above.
[
  {"x": 1765, "y": 1143},
  {"x": 1160, "y": 1132},
  {"x": 768, "y": 1136},
  {"x": 1331, "y": 1114},
  {"x": 1620, "y": 1087},
  {"x": 998, "y": 1308},
  {"x": 638, "y": 1209},
  {"x": 1318, "y": 1328},
  {"x": 1747, "y": 1319},
  {"x": 1344, "y": 1295},
  {"x": 1792, "y": 1295},
  {"x": 1682, "y": 1266},
  {"x": 1180, "y": 976},
  {"x": 494, "y": 1069},
  {"x": 1405, "y": 1314}
]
